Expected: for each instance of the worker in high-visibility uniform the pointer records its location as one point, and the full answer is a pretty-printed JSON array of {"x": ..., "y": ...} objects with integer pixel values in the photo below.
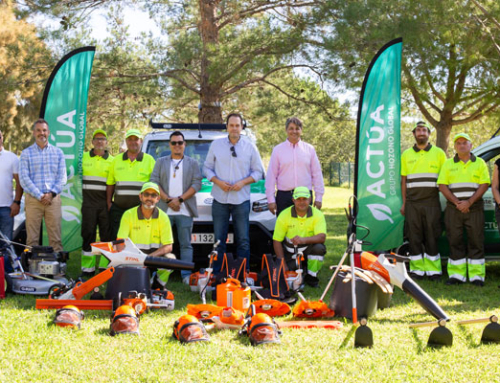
[
  {"x": 420, "y": 166},
  {"x": 95, "y": 167},
  {"x": 149, "y": 228},
  {"x": 128, "y": 172},
  {"x": 463, "y": 181},
  {"x": 304, "y": 227}
]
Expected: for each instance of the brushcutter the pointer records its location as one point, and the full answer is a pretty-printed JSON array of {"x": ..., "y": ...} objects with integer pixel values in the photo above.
[
  {"x": 271, "y": 307},
  {"x": 212, "y": 257}
]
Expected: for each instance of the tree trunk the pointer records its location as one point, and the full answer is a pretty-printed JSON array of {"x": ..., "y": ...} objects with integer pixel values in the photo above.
[
  {"x": 443, "y": 130},
  {"x": 210, "y": 90}
]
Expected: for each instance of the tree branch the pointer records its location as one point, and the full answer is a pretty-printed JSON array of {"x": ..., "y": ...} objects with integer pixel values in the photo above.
[
  {"x": 244, "y": 84},
  {"x": 418, "y": 99},
  {"x": 260, "y": 8}
]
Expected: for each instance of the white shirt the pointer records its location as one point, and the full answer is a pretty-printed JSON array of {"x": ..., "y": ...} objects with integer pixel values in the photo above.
[
  {"x": 9, "y": 165},
  {"x": 175, "y": 186}
]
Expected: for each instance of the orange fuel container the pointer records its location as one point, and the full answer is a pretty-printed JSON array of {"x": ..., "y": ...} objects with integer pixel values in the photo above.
[{"x": 232, "y": 294}]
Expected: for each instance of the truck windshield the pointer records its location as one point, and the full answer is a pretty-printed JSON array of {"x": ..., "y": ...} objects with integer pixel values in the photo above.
[{"x": 194, "y": 149}]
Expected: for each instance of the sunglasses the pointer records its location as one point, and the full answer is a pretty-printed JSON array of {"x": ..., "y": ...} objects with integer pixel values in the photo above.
[
  {"x": 100, "y": 139},
  {"x": 150, "y": 195},
  {"x": 176, "y": 143},
  {"x": 233, "y": 151}
]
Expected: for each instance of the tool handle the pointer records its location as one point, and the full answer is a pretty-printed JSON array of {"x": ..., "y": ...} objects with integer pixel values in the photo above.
[
  {"x": 82, "y": 289},
  {"x": 492, "y": 318},
  {"x": 260, "y": 297},
  {"x": 441, "y": 322},
  {"x": 334, "y": 274},
  {"x": 353, "y": 289},
  {"x": 168, "y": 263},
  {"x": 301, "y": 296}
]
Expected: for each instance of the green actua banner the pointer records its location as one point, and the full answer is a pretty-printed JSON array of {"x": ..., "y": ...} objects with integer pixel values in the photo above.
[
  {"x": 377, "y": 181},
  {"x": 64, "y": 107}
]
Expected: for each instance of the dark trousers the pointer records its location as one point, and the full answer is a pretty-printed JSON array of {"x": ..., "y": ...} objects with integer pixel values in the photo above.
[
  {"x": 115, "y": 216},
  {"x": 423, "y": 227},
  {"x": 92, "y": 218},
  {"x": 473, "y": 223}
]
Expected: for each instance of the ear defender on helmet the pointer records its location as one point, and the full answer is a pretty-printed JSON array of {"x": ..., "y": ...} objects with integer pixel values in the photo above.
[
  {"x": 69, "y": 316},
  {"x": 125, "y": 321},
  {"x": 189, "y": 329},
  {"x": 260, "y": 328},
  {"x": 263, "y": 329}
]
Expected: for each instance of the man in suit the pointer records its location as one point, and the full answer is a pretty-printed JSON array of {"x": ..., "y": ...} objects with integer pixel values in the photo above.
[{"x": 179, "y": 178}]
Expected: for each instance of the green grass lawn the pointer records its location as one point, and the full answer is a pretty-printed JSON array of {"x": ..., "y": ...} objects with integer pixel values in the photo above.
[{"x": 31, "y": 349}]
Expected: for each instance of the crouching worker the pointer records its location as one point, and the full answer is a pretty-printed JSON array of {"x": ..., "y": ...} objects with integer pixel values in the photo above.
[
  {"x": 304, "y": 227},
  {"x": 149, "y": 228}
]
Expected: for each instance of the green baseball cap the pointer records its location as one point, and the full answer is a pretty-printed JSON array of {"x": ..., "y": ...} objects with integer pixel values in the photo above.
[
  {"x": 301, "y": 192},
  {"x": 422, "y": 123},
  {"x": 462, "y": 135},
  {"x": 133, "y": 132},
  {"x": 100, "y": 131},
  {"x": 150, "y": 185}
]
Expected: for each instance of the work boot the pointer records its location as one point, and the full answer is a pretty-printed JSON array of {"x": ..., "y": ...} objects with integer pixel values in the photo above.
[
  {"x": 454, "y": 281},
  {"x": 435, "y": 278},
  {"x": 416, "y": 277},
  {"x": 478, "y": 283},
  {"x": 86, "y": 275},
  {"x": 311, "y": 281}
]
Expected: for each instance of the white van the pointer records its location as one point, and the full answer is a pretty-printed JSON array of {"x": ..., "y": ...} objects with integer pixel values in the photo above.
[{"x": 198, "y": 138}]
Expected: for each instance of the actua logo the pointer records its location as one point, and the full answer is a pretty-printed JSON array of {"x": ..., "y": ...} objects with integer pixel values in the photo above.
[{"x": 383, "y": 179}]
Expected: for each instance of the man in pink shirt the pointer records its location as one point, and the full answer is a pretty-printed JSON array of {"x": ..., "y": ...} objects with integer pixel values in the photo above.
[{"x": 293, "y": 163}]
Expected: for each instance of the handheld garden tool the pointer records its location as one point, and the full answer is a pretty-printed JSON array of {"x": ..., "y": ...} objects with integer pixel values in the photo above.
[
  {"x": 440, "y": 336},
  {"x": 363, "y": 337},
  {"x": 125, "y": 252},
  {"x": 228, "y": 318},
  {"x": 271, "y": 307},
  {"x": 295, "y": 278},
  {"x": 491, "y": 333},
  {"x": 203, "y": 311},
  {"x": 317, "y": 309},
  {"x": 397, "y": 275},
  {"x": 311, "y": 309},
  {"x": 200, "y": 281}
]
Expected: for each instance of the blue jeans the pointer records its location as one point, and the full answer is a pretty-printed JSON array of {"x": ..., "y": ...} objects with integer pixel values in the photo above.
[
  {"x": 241, "y": 225},
  {"x": 6, "y": 227},
  {"x": 184, "y": 225}
]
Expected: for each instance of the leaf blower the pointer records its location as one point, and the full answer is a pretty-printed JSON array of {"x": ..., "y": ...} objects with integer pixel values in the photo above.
[
  {"x": 123, "y": 252},
  {"x": 396, "y": 274}
]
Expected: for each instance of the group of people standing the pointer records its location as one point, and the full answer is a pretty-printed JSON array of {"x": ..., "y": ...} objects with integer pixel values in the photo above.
[
  {"x": 462, "y": 179},
  {"x": 132, "y": 195}
]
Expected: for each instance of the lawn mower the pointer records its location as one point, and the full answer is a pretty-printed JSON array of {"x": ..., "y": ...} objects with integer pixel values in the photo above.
[{"x": 46, "y": 269}]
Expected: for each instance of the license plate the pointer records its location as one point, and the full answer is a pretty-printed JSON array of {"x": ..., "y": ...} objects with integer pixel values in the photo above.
[{"x": 209, "y": 238}]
